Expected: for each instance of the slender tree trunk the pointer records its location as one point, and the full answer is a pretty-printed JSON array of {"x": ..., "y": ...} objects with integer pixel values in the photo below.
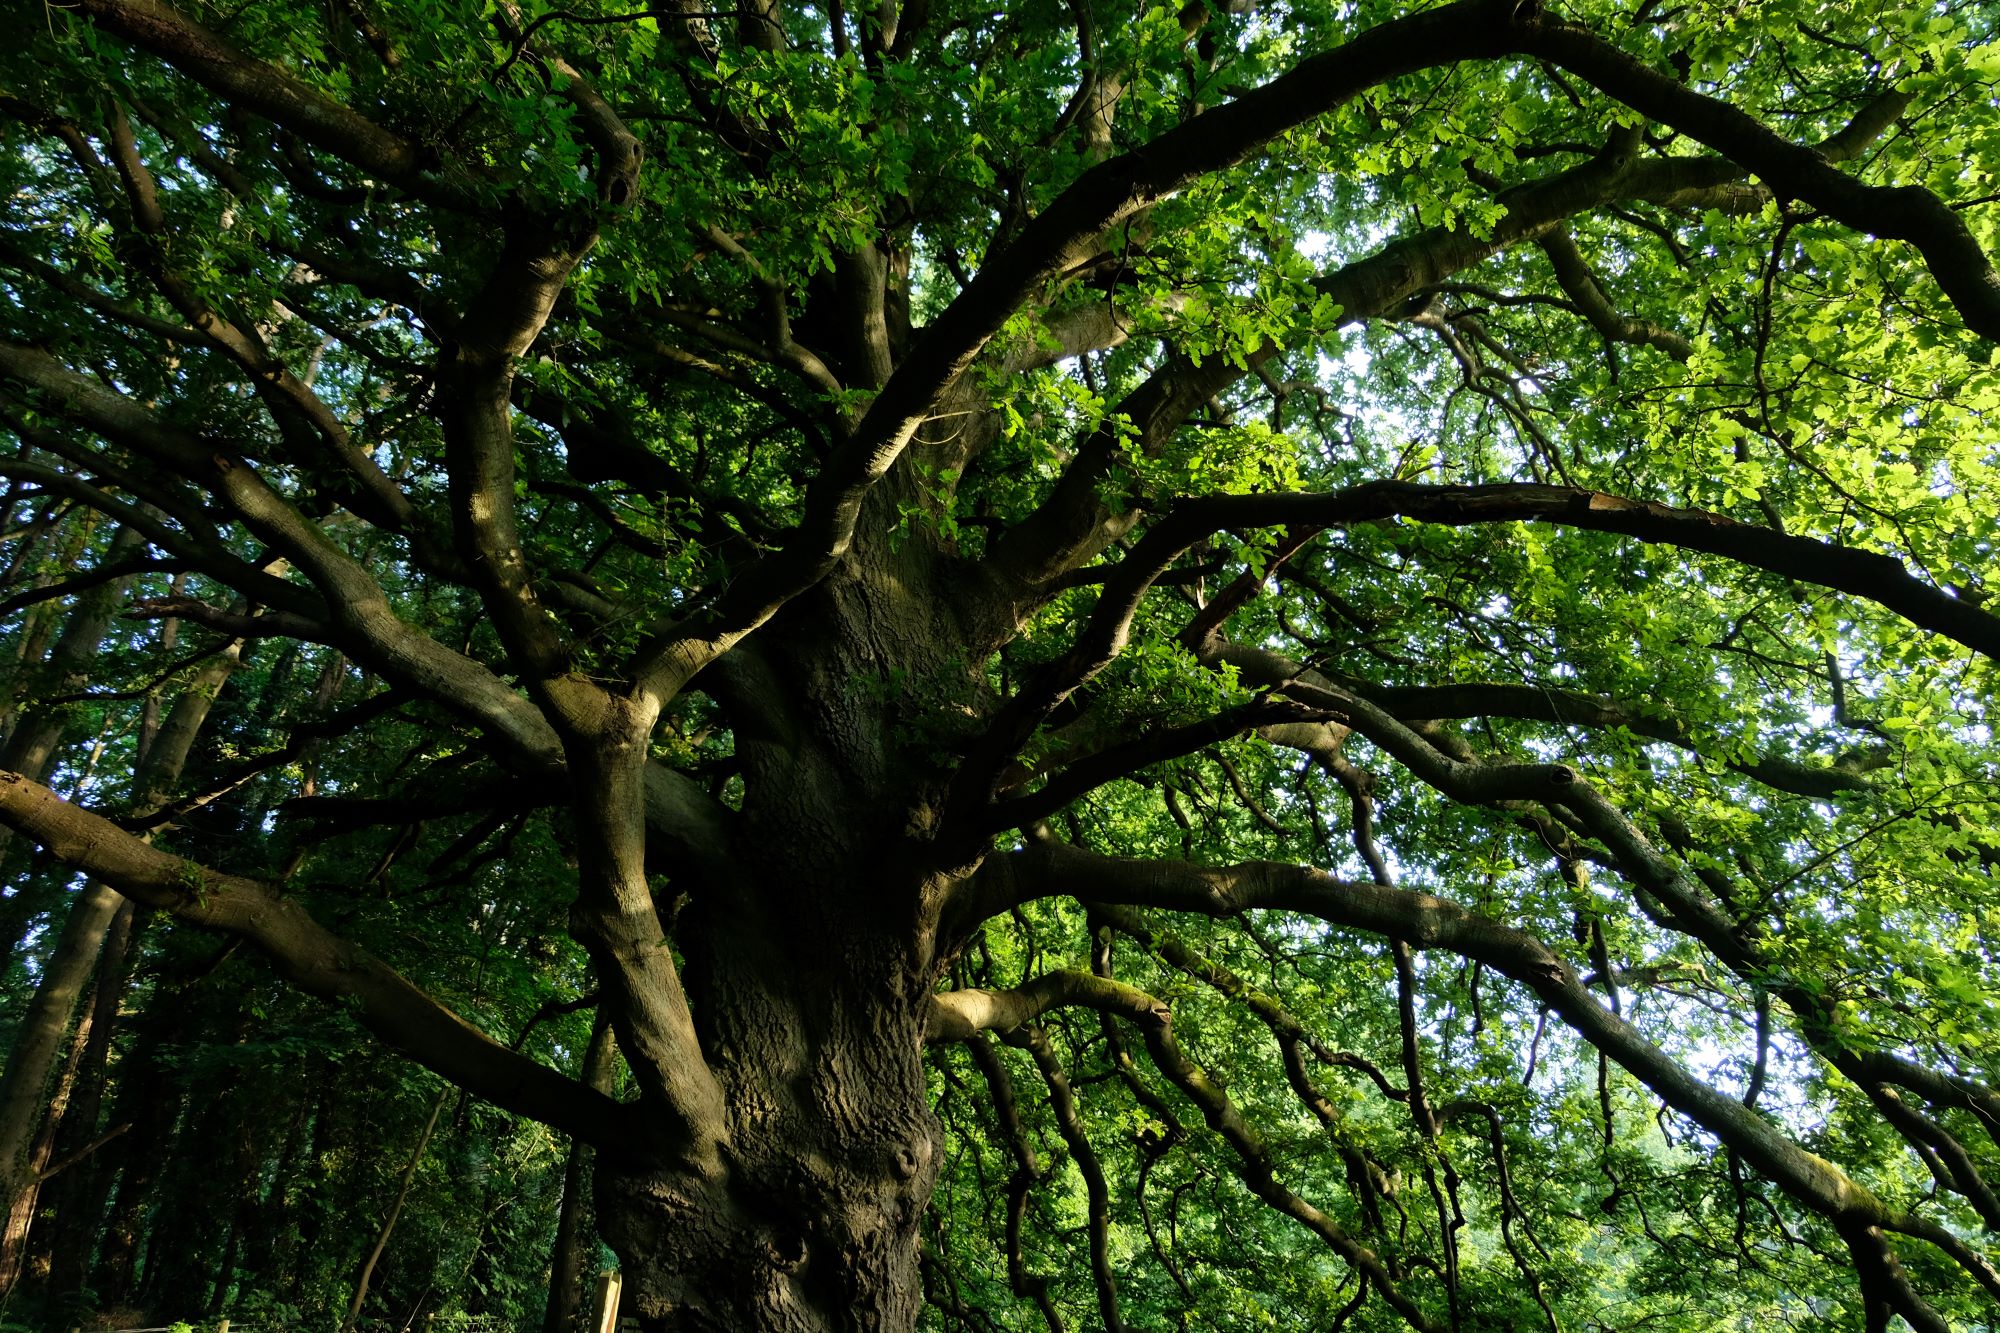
[
  {"x": 566, "y": 1258},
  {"x": 154, "y": 1098},
  {"x": 148, "y": 1096},
  {"x": 225, "y": 1272},
  {"x": 21, "y": 1217},
  {"x": 189, "y": 1220},
  {"x": 263, "y": 1218},
  {"x": 367, "y": 1273},
  {"x": 279, "y": 1240},
  {"x": 25, "y": 1088},
  {"x": 33, "y": 744},
  {"x": 248, "y": 1171},
  {"x": 170, "y": 634},
  {"x": 40, "y": 623},
  {"x": 69, "y": 966},
  {"x": 79, "y": 1195}
]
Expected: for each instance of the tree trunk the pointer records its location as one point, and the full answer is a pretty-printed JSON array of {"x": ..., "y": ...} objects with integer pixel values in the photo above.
[
  {"x": 249, "y": 1170},
  {"x": 20, "y": 1218},
  {"x": 24, "y": 1090},
  {"x": 33, "y": 744},
  {"x": 76, "y": 952},
  {"x": 809, "y": 975},
  {"x": 40, "y": 624},
  {"x": 567, "y": 1255},
  {"x": 813, "y": 1223},
  {"x": 367, "y": 1273},
  {"x": 815, "y": 1027},
  {"x": 276, "y": 1243},
  {"x": 80, "y": 1193},
  {"x": 149, "y": 1096}
]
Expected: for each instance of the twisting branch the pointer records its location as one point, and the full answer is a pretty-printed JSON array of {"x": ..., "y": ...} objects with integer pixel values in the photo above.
[
  {"x": 478, "y": 375},
  {"x": 1097, "y": 1217},
  {"x": 1284, "y": 1025},
  {"x": 352, "y": 613},
  {"x": 1360, "y": 788},
  {"x": 1366, "y": 1180},
  {"x": 236, "y": 624},
  {"x": 1510, "y": 1207},
  {"x": 1154, "y": 1022},
  {"x": 1582, "y": 287},
  {"x": 1027, "y": 1170},
  {"x": 85, "y": 580},
  {"x": 357, "y": 611},
  {"x": 957, "y": 1015},
  {"x": 1048, "y": 868}
]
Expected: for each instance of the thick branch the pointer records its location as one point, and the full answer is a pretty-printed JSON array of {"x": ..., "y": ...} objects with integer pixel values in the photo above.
[
  {"x": 313, "y": 959},
  {"x": 1050, "y": 868},
  {"x": 1064, "y": 234},
  {"x": 959, "y": 1015},
  {"x": 1879, "y": 578},
  {"x": 478, "y": 375},
  {"x": 1582, "y": 287},
  {"x": 270, "y": 91},
  {"x": 1908, "y": 213},
  {"x": 1573, "y": 708}
]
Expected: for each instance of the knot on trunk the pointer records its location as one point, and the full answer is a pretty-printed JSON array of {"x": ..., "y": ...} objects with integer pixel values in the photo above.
[{"x": 787, "y": 1250}]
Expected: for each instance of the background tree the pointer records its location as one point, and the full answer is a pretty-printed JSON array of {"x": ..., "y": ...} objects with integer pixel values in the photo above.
[{"x": 1312, "y": 662}]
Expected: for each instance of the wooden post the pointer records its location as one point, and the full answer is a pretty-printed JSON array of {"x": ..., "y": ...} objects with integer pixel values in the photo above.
[
  {"x": 609, "y": 1283},
  {"x": 222, "y": 1326}
]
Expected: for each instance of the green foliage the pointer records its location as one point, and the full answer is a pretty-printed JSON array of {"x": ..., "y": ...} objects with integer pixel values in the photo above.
[{"x": 1353, "y": 299}]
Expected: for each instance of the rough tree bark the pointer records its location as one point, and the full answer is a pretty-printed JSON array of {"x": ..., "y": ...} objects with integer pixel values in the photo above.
[
  {"x": 27, "y": 1097},
  {"x": 809, "y": 971}
]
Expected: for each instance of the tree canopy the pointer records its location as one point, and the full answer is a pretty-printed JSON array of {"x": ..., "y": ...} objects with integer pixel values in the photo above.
[{"x": 1032, "y": 666}]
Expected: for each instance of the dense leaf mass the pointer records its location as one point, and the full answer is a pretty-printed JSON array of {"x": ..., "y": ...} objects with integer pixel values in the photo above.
[{"x": 1277, "y": 663}]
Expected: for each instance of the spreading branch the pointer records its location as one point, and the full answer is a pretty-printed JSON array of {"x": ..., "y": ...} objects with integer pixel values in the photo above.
[{"x": 311, "y": 958}]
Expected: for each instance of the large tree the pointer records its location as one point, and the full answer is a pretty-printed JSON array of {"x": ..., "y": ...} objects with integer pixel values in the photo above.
[{"x": 1330, "y": 655}]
